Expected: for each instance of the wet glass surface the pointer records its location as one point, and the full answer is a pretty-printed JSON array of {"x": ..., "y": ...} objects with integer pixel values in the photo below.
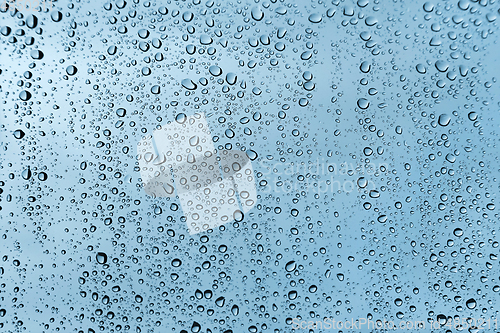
[{"x": 249, "y": 166}]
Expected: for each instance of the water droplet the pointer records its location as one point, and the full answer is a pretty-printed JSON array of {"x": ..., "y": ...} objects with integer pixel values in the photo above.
[
  {"x": 281, "y": 10},
  {"x": 56, "y": 16},
  {"x": 290, "y": 266},
  {"x": 181, "y": 118},
  {"x": 472, "y": 116},
  {"x": 471, "y": 303},
  {"x": 215, "y": 70},
  {"x": 307, "y": 76},
  {"x": 187, "y": 16},
  {"x": 188, "y": 84},
  {"x": 24, "y": 95},
  {"x": 220, "y": 301},
  {"x": 306, "y": 55},
  {"x": 143, "y": 33},
  {"x": 101, "y": 258},
  {"x": 365, "y": 67},
  {"x": 31, "y": 21},
  {"x": 315, "y": 18},
  {"x": 257, "y": 13},
  {"x": 428, "y": 7},
  {"x": 330, "y": 12},
  {"x": 421, "y": 69},
  {"x": 362, "y": 182},
  {"x": 363, "y": 103},
  {"x": 19, "y": 134},
  {"x": 442, "y": 65},
  {"x": 463, "y": 4},
  {"x": 205, "y": 39},
  {"x": 450, "y": 158},
  {"x": 121, "y": 112},
  {"x": 155, "y": 89},
  {"x": 444, "y": 119},
  {"x": 36, "y": 54},
  {"x": 71, "y": 70},
  {"x": 26, "y": 174},
  {"x": 371, "y": 21},
  {"x": 382, "y": 218},
  {"x": 231, "y": 78}
]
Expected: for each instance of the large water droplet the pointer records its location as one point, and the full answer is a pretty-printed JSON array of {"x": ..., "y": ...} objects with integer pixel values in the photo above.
[
  {"x": 26, "y": 174},
  {"x": 71, "y": 70},
  {"x": 281, "y": 10},
  {"x": 444, "y": 119},
  {"x": 121, "y": 112},
  {"x": 363, "y": 103},
  {"x": 143, "y": 33},
  {"x": 315, "y": 18},
  {"x": 421, "y": 69},
  {"x": 471, "y": 303},
  {"x": 56, "y": 16},
  {"x": 101, "y": 258},
  {"x": 188, "y": 84},
  {"x": 215, "y": 70},
  {"x": 257, "y": 13},
  {"x": 205, "y": 39},
  {"x": 19, "y": 134},
  {"x": 231, "y": 78},
  {"x": 24, "y": 95},
  {"x": 442, "y": 65},
  {"x": 36, "y": 54},
  {"x": 220, "y": 301},
  {"x": 31, "y": 21},
  {"x": 290, "y": 266}
]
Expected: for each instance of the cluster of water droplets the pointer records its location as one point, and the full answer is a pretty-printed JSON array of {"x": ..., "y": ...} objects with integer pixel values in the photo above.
[{"x": 372, "y": 128}]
